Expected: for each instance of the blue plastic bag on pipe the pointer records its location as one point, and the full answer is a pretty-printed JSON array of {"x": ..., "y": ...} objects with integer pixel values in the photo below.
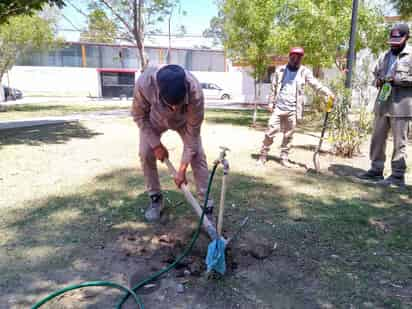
[{"x": 215, "y": 259}]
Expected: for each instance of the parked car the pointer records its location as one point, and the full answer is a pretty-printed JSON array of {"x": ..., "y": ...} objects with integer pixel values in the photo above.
[
  {"x": 213, "y": 91},
  {"x": 12, "y": 93}
]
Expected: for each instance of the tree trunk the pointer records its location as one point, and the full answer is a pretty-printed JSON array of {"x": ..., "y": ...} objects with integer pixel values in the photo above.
[
  {"x": 138, "y": 33},
  {"x": 255, "y": 105},
  {"x": 2, "y": 94},
  {"x": 170, "y": 39}
]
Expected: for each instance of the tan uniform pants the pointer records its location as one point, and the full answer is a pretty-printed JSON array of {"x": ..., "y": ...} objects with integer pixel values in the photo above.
[
  {"x": 151, "y": 176},
  {"x": 280, "y": 121},
  {"x": 399, "y": 126}
]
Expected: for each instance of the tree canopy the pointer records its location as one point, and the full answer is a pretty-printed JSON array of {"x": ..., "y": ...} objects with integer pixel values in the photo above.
[
  {"x": 9, "y": 8},
  {"x": 100, "y": 28},
  {"x": 322, "y": 27},
  {"x": 22, "y": 33},
  {"x": 403, "y": 7},
  {"x": 248, "y": 28}
]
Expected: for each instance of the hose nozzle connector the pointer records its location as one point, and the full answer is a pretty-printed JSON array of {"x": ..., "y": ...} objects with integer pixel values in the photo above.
[{"x": 223, "y": 151}]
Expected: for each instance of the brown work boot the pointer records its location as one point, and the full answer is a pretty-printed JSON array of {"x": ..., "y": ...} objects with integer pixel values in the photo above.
[{"x": 155, "y": 208}]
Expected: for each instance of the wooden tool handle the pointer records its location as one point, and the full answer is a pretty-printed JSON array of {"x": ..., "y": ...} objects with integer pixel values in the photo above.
[
  {"x": 221, "y": 206},
  {"x": 192, "y": 201}
]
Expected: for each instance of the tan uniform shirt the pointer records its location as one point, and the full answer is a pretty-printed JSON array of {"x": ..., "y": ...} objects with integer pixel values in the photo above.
[
  {"x": 400, "y": 102},
  {"x": 153, "y": 117},
  {"x": 304, "y": 76}
]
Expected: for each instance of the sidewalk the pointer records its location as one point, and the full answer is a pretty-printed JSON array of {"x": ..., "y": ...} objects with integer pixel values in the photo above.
[{"x": 14, "y": 124}]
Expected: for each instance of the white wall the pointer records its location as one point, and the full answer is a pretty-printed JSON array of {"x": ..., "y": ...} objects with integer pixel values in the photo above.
[
  {"x": 67, "y": 81},
  {"x": 55, "y": 81}
]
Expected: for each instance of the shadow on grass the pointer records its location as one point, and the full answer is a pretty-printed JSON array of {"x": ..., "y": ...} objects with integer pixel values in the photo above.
[
  {"x": 333, "y": 235},
  {"x": 47, "y": 134},
  {"x": 277, "y": 159},
  {"x": 312, "y": 148},
  {"x": 237, "y": 117},
  {"x": 345, "y": 170},
  {"x": 47, "y": 240},
  {"x": 322, "y": 238}
]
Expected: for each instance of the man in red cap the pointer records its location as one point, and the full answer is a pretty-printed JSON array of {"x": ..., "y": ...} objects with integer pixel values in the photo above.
[
  {"x": 394, "y": 70},
  {"x": 286, "y": 102},
  {"x": 169, "y": 98}
]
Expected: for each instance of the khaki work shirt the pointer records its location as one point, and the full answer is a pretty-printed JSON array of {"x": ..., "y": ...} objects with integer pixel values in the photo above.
[
  {"x": 399, "y": 103},
  {"x": 153, "y": 117},
  {"x": 304, "y": 76}
]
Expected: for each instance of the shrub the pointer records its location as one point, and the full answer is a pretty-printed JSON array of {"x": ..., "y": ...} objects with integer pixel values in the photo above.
[{"x": 349, "y": 125}]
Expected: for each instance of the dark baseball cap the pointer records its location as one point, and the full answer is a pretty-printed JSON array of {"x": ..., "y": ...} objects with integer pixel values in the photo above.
[
  {"x": 171, "y": 80},
  {"x": 399, "y": 33}
]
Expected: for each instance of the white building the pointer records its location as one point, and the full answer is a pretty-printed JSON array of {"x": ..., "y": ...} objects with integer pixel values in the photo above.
[{"x": 109, "y": 70}]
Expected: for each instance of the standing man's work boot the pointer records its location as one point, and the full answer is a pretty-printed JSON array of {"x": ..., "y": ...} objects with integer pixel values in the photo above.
[
  {"x": 284, "y": 161},
  {"x": 393, "y": 181},
  {"x": 155, "y": 208},
  {"x": 263, "y": 157},
  {"x": 371, "y": 175}
]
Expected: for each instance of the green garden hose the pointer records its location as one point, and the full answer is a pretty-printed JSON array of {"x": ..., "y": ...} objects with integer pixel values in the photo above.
[
  {"x": 87, "y": 284},
  {"x": 149, "y": 279}
]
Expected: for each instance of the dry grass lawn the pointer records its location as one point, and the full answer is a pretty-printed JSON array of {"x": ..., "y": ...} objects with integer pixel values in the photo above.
[{"x": 72, "y": 195}]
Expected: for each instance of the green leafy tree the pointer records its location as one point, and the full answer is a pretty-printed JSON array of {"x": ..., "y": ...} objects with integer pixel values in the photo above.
[
  {"x": 9, "y": 8},
  {"x": 248, "y": 27},
  {"x": 215, "y": 29},
  {"x": 100, "y": 28},
  {"x": 20, "y": 34},
  {"x": 322, "y": 27},
  {"x": 216, "y": 25},
  {"x": 403, "y": 7}
]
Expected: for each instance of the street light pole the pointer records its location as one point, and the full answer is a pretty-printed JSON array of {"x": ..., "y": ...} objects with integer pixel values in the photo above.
[{"x": 352, "y": 40}]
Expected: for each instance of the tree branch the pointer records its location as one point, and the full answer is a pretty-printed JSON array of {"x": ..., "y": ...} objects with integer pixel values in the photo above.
[
  {"x": 141, "y": 21},
  {"x": 118, "y": 16},
  {"x": 77, "y": 9},
  {"x": 71, "y": 23}
]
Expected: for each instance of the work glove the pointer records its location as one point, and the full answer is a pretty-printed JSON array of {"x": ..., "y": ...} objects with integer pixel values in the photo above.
[
  {"x": 160, "y": 152},
  {"x": 379, "y": 83},
  {"x": 180, "y": 177},
  {"x": 391, "y": 80},
  {"x": 329, "y": 103}
]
